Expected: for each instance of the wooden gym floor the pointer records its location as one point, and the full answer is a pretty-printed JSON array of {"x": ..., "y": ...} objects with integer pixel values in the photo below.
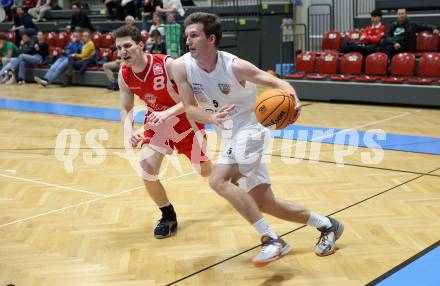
[{"x": 93, "y": 226}]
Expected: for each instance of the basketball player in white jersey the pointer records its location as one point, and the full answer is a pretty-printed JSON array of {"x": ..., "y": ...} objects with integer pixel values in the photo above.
[{"x": 218, "y": 88}]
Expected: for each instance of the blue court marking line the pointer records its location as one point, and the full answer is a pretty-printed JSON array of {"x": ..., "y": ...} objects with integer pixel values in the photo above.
[
  {"x": 421, "y": 270},
  {"x": 368, "y": 139}
]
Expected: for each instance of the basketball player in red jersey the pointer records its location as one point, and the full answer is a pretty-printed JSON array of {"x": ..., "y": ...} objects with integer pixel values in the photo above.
[{"x": 166, "y": 126}]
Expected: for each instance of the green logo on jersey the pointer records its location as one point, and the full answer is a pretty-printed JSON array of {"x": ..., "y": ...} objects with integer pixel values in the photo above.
[{"x": 225, "y": 88}]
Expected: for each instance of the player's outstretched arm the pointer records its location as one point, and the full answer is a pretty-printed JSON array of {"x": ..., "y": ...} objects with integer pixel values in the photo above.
[
  {"x": 189, "y": 101},
  {"x": 245, "y": 71},
  {"x": 127, "y": 104}
]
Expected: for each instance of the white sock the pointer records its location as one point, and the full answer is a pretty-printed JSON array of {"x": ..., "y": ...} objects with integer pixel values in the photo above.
[
  {"x": 264, "y": 229},
  {"x": 318, "y": 221},
  {"x": 165, "y": 205}
]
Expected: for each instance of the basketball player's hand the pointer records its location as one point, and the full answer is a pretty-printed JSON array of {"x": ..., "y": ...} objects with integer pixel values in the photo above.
[
  {"x": 135, "y": 139},
  {"x": 297, "y": 110},
  {"x": 156, "y": 118},
  {"x": 222, "y": 115}
]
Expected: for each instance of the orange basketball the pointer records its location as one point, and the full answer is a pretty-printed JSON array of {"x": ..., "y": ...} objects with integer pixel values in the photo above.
[{"x": 275, "y": 108}]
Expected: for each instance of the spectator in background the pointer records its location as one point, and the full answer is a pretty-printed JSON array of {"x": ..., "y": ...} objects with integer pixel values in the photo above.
[
  {"x": 22, "y": 22},
  {"x": 158, "y": 46},
  {"x": 79, "y": 61},
  {"x": 157, "y": 25},
  {"x": 148, "y": 9},
  {"x": 119, "y": 9},
  {"x": 35, "y": 55},
  {"x": 110, "y": 69},
  {"x": 80, "y": 20},
  {"x": 402, "y": 36},
  {"x": 42, "y": 7},
  {"x": 129, "y": 7},
  {"x": 114, "y": 9},
  {"x": 172, "y": 6},
  {"x": 129, "y": 20},
  {"x": 61, "y": 64},
  {"x": 8, "y": 50},
  {"x": 7, "y": 6},
  {"x": 370, "y": 37},
  {"x": 171, "y": 18}
]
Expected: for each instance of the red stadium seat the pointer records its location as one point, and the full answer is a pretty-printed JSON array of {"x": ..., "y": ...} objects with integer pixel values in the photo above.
[
  {"x": 351, "y": 64},
  {"x": 105, "y": 52},
  {"x": 375, "y": 67},
  {"x": 11, "y": 37},
  {"x": 145, "y": 37},
  {"x": 331, "y": 41},
  {"x": 353, "y": 36},
  {"x": 427, "y": 42},
  {"x": 327, "y": 65},
  {"x": 62, "y": 39},
  {"x": 402, "y": 66},
  {"x": 429, "y": 68},
  {"x": 114, "y": 56},
  {"x": 97, "y": 39},
  {"x": 305, "y": 63},
  {"x": 108, "y": 40},
  {"x": 50, "y": 39},
  {"x": 55, "y": 51}
]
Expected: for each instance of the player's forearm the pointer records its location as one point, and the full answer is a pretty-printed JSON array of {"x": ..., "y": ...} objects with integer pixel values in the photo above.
[
  {"x": 195, "y": 113},
  {"x": 126, "y": 118},
  {"x": 176, "y": 109}
]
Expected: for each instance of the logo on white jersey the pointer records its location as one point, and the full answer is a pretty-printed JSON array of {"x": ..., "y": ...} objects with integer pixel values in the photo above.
[
  {"x": 225, "y": 88},
  {"x": 157, "y": 69}
]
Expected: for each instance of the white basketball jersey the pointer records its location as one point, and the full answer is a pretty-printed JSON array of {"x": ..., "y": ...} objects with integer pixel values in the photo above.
[{"x": 221, "y": 88}]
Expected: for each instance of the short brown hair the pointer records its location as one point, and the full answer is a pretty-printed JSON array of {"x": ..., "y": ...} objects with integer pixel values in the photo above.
[
  {"x": 211, "y": 24},
  {"x": 128, "y": 31}
]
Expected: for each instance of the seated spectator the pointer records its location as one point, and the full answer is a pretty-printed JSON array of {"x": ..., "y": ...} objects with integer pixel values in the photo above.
[
  {"x": 158, "y": 46},
  {"x": 370, "y": 37},
  {"x": 61, "y": 64},
  {"x": 157, "y": 25},
  {"x": 171, "y": 18},
  {"x": 8, "y": 50},
  {"x": 402, "y": 35},
  {"x": 7, "y": 6},
  {"x": 22, "y": 22},
  {"x": 110, "y": 69},
  {"x": 129, "y": 7},
  {"x": 35, "y": 55},
  {"x": 114, "y": 8},
  {"x": 80, "y": 20},
  {"x": 119, "y": 9},
  {"x": 129, "y": 21},
  {"x": 173, "y": 36},
  {"x": 79, "y": 61},
  {"x": 172, "y": 6},
  {"x": 42, "y": 7},
  {"x": 148, "y": 9}
]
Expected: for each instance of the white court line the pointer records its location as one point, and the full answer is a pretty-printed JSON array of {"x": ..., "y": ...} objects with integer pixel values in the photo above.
[
  {"x": 53, "y": 185},
  {"x": 400, "y": 115},
  {"x": 87, "y": 202}
]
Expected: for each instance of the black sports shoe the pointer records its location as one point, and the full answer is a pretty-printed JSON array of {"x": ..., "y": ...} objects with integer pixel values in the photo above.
[{"x": 164, "y": 228}]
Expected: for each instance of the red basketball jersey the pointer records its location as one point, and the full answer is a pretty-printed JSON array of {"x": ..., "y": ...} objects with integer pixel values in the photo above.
[{"x": 154, "y": 88}]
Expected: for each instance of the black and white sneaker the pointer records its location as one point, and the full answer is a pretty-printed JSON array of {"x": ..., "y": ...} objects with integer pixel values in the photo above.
[
  {"x": 164, "y": 228},
  {"x": 327, "y": 241}
]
